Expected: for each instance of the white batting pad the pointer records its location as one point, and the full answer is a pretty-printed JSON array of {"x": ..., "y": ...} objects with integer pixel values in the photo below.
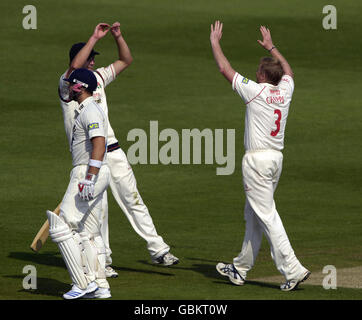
[
  {"x": 101, "y": 255},
  {"x": 62, "y": 235},
  {"x": 96, "y": 256}
]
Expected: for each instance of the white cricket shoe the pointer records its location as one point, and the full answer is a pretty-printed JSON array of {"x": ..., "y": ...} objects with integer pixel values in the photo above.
[
  {"x": 100, "y": 293},
  {"x": 110, "y": 272},
  {"x": 168, "y": 259},
  {"x": 228, "y": 270},
  {"x": 76, "y": 292},
  {"x": 293, "y": 284}
]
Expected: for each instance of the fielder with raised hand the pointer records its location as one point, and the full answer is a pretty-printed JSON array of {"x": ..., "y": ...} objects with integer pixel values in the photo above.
[
  {"x": 267, "y": 106},
  {"x": 77, "y": 229},
  {"x": 123, "y": 182}
]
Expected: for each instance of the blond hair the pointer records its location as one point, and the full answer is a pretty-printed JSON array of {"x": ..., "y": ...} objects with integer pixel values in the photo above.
[{"x": 272, "y": 69}]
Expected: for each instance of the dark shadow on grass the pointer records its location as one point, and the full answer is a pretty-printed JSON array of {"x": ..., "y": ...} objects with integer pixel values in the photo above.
[
  {"x": 55, "y": 259},
  {"x": 262, "y": 284},
  {"x": 200, "y": 268},
  {"x": 45, "y": 286},
  {"x": 142, "y": 271},
  {"x": 204, "y": 260},
  {"x": 209, "y": 271},
  {"x": 48, "y": 258},
  {"x": 206, "y": 269}
]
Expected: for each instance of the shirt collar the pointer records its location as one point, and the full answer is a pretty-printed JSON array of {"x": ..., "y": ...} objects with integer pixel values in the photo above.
[
  {"x": 267, "y": 84},
  {"x": 85, "y": 102}
]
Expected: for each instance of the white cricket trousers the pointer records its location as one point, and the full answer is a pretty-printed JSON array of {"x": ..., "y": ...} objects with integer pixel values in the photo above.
[
  {"x": 124, "y": 189},
  {"x": 79, "y": 214},
  {"x": 261, "y": 172}
]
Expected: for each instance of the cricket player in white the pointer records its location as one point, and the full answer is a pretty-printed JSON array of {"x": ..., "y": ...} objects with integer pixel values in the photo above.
[
  {"x": 267, "y": 106},
  {"x": 77, "y": 229},
  {"x": 123, "y": 182}
]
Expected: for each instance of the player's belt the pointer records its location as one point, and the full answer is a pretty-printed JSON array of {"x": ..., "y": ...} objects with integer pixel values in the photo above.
[{"x": 113, "y": 146}]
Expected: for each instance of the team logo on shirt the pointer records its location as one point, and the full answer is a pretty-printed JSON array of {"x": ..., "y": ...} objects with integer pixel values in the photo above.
[
  {"x": 245, "y": 80},
  {"x": 94, "y": 125},
  {"x": 97, "y": 97},
  {"x": 277, "y": 100}
]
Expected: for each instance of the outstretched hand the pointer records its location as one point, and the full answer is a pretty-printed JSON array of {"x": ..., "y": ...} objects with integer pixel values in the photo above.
[
  {"x": 216, "y": 31},
  {"x": 101, "y": 30},
  {"x": 115, "y": 29},
  {"x": 267, "y": 42}
]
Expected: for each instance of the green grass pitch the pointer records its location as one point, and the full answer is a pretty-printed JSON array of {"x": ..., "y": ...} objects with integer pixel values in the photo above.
[{"x": 175, "y": 81}]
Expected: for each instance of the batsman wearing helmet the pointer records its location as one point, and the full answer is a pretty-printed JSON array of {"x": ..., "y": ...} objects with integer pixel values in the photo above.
[
  {"x": 267, "y": 105},
  {"x": 77, "y": 229},
  {"x": 123, "y": 182}
]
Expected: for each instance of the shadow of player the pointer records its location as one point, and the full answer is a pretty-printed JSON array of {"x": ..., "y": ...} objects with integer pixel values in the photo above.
[
  {"x": 142, "y": 270},
  {"x": 208, "y": 269},
  {"x": 45, "y": 286},
  {"x": 53, "y": 259}
]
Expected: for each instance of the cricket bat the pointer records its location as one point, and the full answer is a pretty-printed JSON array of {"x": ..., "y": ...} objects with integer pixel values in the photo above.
[{"x": 43, "y": 233}]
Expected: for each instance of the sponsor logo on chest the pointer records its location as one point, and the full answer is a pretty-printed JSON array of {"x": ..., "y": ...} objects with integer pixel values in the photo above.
[
  {"x": 277, "y": 100},
  {"x": 275, "y": 97}
]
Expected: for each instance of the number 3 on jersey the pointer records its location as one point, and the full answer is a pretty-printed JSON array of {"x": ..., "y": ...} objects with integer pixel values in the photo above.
[{"x": 277, "y": 122}]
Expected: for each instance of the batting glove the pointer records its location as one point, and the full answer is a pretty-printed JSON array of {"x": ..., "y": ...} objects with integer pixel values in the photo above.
[{"x": 86, "y": 187}]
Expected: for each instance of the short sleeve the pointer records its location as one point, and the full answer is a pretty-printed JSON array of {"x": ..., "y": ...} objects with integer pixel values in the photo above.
[
  {"x": 287, "y": 83},
  {"x": 246, "y": 88},
  {"x": 108, "y": 74},
  {"x": 93, "y": 122}
]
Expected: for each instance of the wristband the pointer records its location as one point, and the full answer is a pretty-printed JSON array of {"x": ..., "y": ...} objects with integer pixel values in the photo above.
[
  {"x": 95, "y": 163},
  {"x": 271, "y": 48}
]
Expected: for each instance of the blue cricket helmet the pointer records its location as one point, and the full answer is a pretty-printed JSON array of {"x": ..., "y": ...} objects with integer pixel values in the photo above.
[{"x": 84, "y": 77}]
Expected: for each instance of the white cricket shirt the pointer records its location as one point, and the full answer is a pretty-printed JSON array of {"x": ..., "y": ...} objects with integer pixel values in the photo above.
[
  {"x": 267, "y": 108},
  {"x": 90, "y": 122},
  {"x": 104, "y": 77}
]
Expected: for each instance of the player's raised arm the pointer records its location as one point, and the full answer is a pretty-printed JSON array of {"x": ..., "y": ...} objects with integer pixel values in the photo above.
[
  {"x": 124, "y": 53},
  {"x": 267, "y": 44},
  {"x": 221, "y": 61},
  {"x": 99, "y": 32}
]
